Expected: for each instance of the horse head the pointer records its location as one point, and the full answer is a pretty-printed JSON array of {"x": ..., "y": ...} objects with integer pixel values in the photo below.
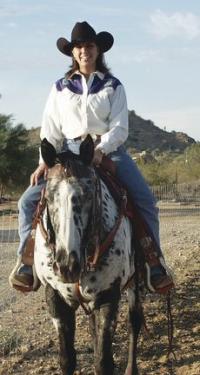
[{"x": 69, "y": 194}]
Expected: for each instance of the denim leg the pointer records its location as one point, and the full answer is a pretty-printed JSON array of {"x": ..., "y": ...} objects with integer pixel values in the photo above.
[
  {"x": 132, "y": 179},
  {"x": 27, "y": 206}
]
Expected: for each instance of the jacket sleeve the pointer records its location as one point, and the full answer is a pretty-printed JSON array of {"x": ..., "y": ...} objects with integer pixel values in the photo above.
[
  {"x": 50, "y": 127},
  {"x": 118, "y": 122}
]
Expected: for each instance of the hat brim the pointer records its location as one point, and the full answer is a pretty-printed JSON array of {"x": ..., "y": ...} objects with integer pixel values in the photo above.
[{"x": 104, "y": 41}]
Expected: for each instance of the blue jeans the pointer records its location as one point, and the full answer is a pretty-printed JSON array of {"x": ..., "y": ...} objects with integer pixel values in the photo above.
[
  {"x": 27, "y": 206},
  {"x": 129, "y": 175},
  {"x": 131, "y": 178}
]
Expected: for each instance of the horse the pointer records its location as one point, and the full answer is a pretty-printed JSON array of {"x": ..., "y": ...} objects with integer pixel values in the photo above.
[{"x": 79, "y": 216}]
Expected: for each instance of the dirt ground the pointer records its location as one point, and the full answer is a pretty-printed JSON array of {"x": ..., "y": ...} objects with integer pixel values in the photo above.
[{"x": 35, "y": 350}]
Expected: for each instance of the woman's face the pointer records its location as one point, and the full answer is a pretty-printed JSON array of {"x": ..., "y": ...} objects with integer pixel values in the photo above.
[{"x": 86, "y": 55}]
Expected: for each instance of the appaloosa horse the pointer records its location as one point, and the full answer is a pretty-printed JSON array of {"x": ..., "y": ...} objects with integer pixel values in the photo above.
[{"x": 84, "y": 256}]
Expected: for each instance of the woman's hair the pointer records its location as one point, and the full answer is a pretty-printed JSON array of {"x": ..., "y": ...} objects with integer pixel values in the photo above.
[{"x": 101, "y": 66}]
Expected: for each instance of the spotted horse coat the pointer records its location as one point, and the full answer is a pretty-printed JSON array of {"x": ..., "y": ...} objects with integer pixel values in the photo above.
[{"x": 72, "y": 191}]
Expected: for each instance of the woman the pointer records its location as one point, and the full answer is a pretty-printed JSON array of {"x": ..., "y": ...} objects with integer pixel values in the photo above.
[{"x": 89, "y": 100}]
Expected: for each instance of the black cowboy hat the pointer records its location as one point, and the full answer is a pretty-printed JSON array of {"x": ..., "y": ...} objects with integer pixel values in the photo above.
[{"x": 83, "y": 32}]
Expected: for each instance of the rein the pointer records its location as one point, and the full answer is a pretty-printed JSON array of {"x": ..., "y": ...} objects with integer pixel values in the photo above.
[
  {"x": 100, "y": 248},
  {"x": 48, "y": 234},
  {"x": 170, "y": 325},
  {"x": 39, "y": 211}
]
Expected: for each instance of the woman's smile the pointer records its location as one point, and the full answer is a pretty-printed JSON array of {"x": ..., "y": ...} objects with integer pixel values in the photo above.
[{"x": 86, "y": 55}]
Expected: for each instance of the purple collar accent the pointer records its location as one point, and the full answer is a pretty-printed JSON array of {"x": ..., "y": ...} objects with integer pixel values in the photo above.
[
  {"x": 74, "y": 84},
  {"x": 108, "y": 81}
]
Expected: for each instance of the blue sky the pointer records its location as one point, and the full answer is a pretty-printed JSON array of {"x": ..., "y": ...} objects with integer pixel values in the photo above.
[{"x": 156, "y": 55}]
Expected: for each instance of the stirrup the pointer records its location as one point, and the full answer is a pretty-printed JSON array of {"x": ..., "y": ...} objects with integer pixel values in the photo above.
[
  {"x": 23, "y": 289},
  {"x": 163, "y": 285},
  {"x": 32, "y": 284},
  {"x": 14, "y": 271}
]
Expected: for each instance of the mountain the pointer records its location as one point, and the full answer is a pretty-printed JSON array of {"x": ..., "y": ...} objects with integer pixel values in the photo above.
[{"x": 143, "y": 136}]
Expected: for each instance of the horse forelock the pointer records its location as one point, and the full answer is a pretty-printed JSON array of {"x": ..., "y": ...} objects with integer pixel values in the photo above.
[
  {"x": 73, "y": 169},
  {"x": 77, "y": 169},
  {"x": 69, "y": 193}
]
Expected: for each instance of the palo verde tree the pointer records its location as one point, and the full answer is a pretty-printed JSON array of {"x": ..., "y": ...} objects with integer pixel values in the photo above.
[{"x": 17, "y": 157}]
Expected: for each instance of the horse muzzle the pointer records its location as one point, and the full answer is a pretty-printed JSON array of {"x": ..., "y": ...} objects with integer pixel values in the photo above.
[{"x": 67, "y": 268}]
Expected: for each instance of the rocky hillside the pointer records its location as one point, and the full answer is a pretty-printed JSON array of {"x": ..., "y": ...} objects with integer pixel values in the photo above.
[{"x": 144, "y": 136}]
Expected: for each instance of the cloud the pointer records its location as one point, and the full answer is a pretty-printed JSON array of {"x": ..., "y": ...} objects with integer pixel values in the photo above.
[{"x": 176, "y": 24}]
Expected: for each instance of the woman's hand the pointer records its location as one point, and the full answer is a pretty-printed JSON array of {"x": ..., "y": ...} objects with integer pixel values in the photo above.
[
  {"x": 98, "y": 156},
  {"x": 41, "y": 170}
]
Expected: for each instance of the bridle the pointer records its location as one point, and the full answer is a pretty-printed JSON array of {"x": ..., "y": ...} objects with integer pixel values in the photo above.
[
  {"x": 91, "y": 249},
  {"x": 93, "y": 228}
]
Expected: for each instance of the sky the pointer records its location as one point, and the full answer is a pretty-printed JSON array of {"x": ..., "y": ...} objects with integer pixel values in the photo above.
[{"x": 156, "y": 55}]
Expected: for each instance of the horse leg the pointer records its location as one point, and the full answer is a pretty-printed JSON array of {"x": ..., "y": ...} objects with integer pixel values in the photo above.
[
  {"x": 105, "y": 324},
  {"x": 64, "y": 320},
  {"x": 136, "y": 320}
]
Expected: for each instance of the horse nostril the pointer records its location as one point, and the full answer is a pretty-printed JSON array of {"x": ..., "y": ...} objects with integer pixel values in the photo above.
[
  {"x": 76, "y": 269},
  {"x": 74, "y": 264},
  {"x": 55, "y": 266}
]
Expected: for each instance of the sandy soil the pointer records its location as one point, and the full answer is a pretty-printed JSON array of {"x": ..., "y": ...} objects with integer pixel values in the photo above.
[{"x": 34, "y": 347}]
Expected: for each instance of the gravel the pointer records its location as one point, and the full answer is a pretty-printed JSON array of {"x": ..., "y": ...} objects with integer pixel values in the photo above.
[{"x": 34, "y": 347}]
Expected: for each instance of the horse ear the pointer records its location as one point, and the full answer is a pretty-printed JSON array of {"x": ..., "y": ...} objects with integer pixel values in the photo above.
[
  {"x": 48, "y": 153},
  {"x": 87, "y": 150}
]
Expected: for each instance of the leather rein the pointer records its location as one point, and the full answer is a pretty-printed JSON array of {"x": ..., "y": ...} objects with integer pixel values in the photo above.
[{"x": 102, "y": 247}]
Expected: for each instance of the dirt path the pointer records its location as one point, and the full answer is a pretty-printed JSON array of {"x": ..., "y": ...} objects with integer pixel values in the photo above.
[{"x": 35, "y": 349}]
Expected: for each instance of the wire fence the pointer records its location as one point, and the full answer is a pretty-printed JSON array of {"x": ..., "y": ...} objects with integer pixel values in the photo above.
[
  {"x": 182, "y": 193},
  {"x": 16, "y": 309}
]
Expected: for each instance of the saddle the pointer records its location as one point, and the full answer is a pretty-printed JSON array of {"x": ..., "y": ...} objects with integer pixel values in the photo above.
[{"x": 146, "y": 250}]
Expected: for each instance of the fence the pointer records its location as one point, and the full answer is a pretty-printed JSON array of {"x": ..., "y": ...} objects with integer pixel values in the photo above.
[{"x": 183, "y": 193}]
